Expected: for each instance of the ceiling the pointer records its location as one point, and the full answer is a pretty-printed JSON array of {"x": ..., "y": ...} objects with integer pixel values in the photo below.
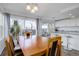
[{"x": 46, "y": 11}]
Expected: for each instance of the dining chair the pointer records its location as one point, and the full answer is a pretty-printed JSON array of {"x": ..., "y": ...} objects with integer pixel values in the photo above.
[
  {"x": 27, "y": 34},
  {"x": 11, "y": 40},
  {"x": 53, "y": 48},
  {"x": 17, "y": 47},
  {"x": 14, "y": 52},
  {"x": 59, "y": 46},
  {"x": 8, "y": 49}
]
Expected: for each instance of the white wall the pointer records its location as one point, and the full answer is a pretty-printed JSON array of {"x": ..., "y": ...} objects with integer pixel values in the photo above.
[{"x": 69, "y": 25}]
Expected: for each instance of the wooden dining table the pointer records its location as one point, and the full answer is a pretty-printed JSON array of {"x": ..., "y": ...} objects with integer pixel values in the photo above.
[
  {"x": 36, "y": 44},
  {"x": 33, "y": 46}
]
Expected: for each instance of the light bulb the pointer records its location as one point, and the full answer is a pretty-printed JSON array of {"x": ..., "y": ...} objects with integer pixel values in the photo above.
[
  {"x": 70, "y": 14},
  {"x": 35, "y": 8},
  {"x": 73, "y": 16},
  {"x": 28, "y": 7},
  {"x": 32, "y": 11}
]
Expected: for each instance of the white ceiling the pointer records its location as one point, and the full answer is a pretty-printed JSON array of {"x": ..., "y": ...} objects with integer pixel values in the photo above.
[{"x": 46, "y": 10}]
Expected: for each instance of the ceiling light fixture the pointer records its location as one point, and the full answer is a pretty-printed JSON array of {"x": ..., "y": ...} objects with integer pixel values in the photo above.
[
  {"x": 32, "y": 11},
  {"x": 73, "y": 16},
  {"x": 70, "y": 14},
  {"x": 32, "y": 7},
  {"x": 28, "y": 7},
  {"x": 35, "y": 8}
]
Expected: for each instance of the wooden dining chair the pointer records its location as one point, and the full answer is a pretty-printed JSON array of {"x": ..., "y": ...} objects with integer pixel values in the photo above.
[
  {"x": 14, "y": 52},
  {"x": 8, "y": 49},
  {"x": 12, "y": 43},
  {"x": 11, "y": 39},
  {"x": 52, "y": 49},
  {"x": 59, "y": 46},
  {"x": 27, "y": 34}
]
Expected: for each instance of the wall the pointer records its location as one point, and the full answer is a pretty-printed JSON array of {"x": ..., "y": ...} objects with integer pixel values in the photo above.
[{"x": 66, "y": 26}]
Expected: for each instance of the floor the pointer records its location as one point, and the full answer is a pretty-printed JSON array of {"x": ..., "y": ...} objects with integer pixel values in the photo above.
[
  {"x": 64, "y": 52},
  {"x": 70, "y": 52},
  {"x": 3, "y": 52}
]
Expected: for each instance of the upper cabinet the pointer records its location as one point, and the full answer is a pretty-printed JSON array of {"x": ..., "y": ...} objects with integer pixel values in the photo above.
[{"x": 68, "y": 25}]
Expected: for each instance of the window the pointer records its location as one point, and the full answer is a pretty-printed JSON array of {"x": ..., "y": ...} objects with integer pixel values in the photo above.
[
  {"x": 25, "y": 24},
  {"x": 20, "y": 22},
  {"x": 47, "y": 28},
  {"x": 44, "y": 26},
  {"x": 1, "y": 26},
  {"x": 29, "y": 24},
  {"x": 44, "y": 29}
]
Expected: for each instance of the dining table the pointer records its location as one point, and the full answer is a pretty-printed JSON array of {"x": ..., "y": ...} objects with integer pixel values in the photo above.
[{"x": 33, "y": 45}]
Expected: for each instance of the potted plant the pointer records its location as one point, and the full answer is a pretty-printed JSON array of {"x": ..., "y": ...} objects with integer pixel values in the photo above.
[{"x": 15, "y": 30}]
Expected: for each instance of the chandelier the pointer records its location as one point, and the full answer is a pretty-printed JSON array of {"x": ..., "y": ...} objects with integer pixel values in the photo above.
[{"x": 32, "y": 7}]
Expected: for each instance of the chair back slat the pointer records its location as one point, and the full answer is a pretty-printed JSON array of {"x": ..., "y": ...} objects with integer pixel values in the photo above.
[{"x": 59, "y": 46}]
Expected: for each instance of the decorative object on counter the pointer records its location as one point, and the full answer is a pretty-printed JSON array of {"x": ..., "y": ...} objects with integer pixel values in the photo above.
[{"x": 68, "y": 42}]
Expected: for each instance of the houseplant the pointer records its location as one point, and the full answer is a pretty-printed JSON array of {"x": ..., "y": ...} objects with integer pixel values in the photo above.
[{"x": 15, "y": 30}]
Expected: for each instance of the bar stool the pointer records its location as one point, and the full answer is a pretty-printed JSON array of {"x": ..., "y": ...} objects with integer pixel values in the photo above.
[{"x": 68, "y": 43}]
